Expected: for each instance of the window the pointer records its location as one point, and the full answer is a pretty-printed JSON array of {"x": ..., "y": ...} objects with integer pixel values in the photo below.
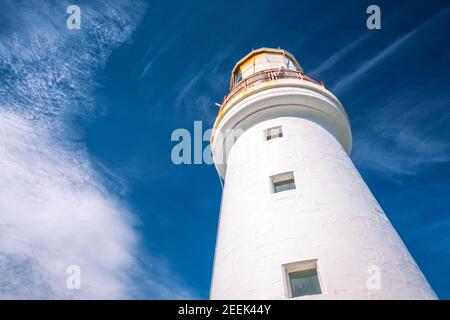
[
  {"x": 237, "y": 77},
  {"x": 273, "y": 133},
  {"x": 302, "y": 279},
  {"x": 290, "y": 64},
  {"x": 282, "y": 182}
]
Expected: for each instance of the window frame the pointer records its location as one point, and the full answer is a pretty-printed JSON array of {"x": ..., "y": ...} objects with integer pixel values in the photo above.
[
  {"x": 301, "y": 266},
  {"x": 266, "y": 133},
  {"x": 281, "y": 177}
]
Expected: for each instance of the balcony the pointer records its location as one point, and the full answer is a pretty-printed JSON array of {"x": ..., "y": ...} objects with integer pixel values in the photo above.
[{"x": 257, "y": 81}]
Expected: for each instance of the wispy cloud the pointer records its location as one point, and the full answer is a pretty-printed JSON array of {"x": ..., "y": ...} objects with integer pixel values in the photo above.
[
  {"x": 409, "y": 150},
  {"x": 394, "y": 138},
  {"x": 332, "y": 60},
  {"x": 55, "y": 213},
  {"x": 55, "y": 209},
  {"x": 152, "y": 56},
  {"x": 368, "y": 65},
  {"x": 161, "y": 42},
  {"x": 211, "y": 81},
  {"x": 395, "y": 141}
]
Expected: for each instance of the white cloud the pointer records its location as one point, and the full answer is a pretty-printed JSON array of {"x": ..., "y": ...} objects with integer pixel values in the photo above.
[
  {"x": 54, "y": 213},
  {"x": 55, "y": 210}
]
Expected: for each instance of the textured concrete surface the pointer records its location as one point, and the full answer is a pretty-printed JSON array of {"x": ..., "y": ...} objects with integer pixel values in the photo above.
[{"x": 331, "y": 216}]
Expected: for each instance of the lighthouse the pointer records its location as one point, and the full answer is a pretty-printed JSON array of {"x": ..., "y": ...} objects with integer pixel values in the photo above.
[{"x": 297, "y": 221}]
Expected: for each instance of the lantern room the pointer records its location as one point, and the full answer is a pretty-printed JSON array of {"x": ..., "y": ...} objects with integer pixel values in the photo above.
[{"x": 263, "y": 59}]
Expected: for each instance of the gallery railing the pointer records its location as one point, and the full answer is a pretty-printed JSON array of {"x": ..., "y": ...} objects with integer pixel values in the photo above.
[{"x": 266, "y": 76}]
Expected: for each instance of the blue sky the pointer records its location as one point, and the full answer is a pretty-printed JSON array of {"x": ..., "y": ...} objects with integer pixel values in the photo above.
[{"x": 88, "y": 115}]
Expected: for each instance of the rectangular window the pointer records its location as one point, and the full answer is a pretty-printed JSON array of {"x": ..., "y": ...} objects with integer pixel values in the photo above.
[
  {"x": 273, "y": 133},
  {"x": 282, "y": 182},
  {"x": 237, "y": 77},
  {"x": 302, "y": 279}
]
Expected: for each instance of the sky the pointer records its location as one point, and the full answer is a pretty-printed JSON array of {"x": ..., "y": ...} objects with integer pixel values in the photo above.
[{"x": 86, "y": 118}]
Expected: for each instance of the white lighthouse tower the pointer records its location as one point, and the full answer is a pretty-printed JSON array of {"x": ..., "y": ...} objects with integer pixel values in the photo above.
[{"x": 297, "y": 220}]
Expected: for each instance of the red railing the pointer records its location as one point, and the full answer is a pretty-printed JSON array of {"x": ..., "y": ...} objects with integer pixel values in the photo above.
[{"x": 265, "y": 76}]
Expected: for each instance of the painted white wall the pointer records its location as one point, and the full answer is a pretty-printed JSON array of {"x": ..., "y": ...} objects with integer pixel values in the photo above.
[
  {"x": 331, "y": 216},
  {"x": 281, "y": 98}
]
